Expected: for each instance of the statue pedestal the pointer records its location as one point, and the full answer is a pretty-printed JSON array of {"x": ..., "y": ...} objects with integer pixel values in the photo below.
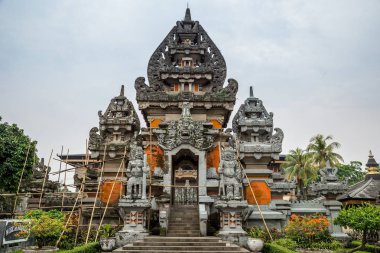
[
  {"x": 133, "y": 212},
  {"x": 231, "y": 215}
]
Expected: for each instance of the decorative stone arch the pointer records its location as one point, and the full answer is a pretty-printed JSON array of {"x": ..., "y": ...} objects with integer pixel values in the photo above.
[{"x": 202, "y": 170}]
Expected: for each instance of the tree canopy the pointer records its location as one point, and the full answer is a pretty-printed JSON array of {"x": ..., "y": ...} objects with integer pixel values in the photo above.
[
  {"x": 299, "y": 165},
  {"x": 322, "y": 151},
  {"x": 351, "y": 172},
  {"x": 364, "y": 219},
  {"x": 14, "y": 145}
]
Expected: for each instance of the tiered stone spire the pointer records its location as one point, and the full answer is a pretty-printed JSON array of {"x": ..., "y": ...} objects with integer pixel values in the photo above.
[
  {"x": 186, "y": 66},
  {"x": 372, "y": 165}
]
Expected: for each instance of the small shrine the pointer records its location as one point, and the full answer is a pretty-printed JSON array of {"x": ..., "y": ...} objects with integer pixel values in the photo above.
[{"x": 367, "y": 190}]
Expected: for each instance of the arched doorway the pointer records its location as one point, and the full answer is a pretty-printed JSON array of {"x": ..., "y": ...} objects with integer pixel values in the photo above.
[{"x": 185, "y": 178}]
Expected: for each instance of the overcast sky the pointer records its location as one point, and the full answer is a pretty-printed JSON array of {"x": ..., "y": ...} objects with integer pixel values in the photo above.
[{"x": 315, "y": 64}]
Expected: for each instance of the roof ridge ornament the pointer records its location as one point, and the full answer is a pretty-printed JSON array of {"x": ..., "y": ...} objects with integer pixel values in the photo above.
[
  {"x": 372, "y": 165},
  {"x": 187, "y": 14},
  {"x": 122, "y": 91},
  {"x": 251, "y": 92}
]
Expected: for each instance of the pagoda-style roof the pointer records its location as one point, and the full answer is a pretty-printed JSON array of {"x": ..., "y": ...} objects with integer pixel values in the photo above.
[
  {"x": 187, "y": 66},
  {"x": 367, "y": 189}
]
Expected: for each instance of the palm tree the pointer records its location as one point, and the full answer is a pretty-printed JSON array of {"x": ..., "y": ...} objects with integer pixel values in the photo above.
[
  {"x": 299, "y": 165},
  {"x": 322, "y": 151}
]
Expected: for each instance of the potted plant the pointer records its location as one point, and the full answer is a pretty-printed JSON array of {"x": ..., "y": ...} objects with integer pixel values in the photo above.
[
  {"x": 107, "y": 237},
  {"x": 255, "y": 240},
  {"x": 45, "y": 228}
]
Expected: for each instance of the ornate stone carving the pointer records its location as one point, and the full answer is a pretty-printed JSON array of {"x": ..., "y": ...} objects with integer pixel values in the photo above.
[
  {"x": 186, "y": 66},
  {"x": 135, "y": 172},
  {"x": 185, "y": 131},
  {"x": 253, "y": 126},
  {"x": 118, "y": 125},
  {"x": 230, "y": 185},
  {"x": 329, "y": 186}
]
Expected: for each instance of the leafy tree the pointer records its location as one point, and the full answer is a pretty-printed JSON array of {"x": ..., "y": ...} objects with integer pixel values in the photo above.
[
  {"x": 364, "y": 219},
  {"x": 322, "y": 151},
  {"x": 14, "y": 145},
  {"x": 299, "y": 165},
  {"x": 46, "y": 227},
  {"x": 352, "y": 172}
]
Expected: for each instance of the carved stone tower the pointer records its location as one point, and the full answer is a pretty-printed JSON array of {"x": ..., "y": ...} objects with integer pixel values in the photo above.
[
  {"x": 257, "y": 145},
  {"x": 186, "y": 67}
]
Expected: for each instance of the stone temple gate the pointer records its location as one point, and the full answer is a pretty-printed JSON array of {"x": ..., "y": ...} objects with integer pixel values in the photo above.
[{"x": 184, "y": 154}]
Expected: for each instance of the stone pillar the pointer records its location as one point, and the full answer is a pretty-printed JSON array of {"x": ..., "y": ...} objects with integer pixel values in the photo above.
[
  {"x": 203, "y": 216},
  {"x": 231, "y": 218},
  {"x": 202, "y": 171},
  {"x": 333, "y": 208},
  {"x": 168, "y": 177},
  {"x": 133, "y": 212}
]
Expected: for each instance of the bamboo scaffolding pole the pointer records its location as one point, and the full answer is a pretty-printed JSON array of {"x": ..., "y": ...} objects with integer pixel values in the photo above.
[
  {"x": 44, "y": 182},
  {"x": 81, "y": 199},
  {"x": 97, "y": 192},
  {"x": 150, "y": 171},
  {"x": 109, "y": 196},
  {"x": 253, "y": 193},
  {"x": 64, "y": 182},
  {"x": 60, "y": 167},
  {"x": 22, "y": 174},
  {"x": 71, "y": 213}
]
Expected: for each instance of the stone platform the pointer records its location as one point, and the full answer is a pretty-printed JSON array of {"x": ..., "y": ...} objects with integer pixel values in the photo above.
[{"x": 152, "y": 244}]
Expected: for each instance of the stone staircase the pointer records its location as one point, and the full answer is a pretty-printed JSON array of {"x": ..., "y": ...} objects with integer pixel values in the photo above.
[
  {"x": 183, "y": 222},
  {"x": 152, "y": 244}
]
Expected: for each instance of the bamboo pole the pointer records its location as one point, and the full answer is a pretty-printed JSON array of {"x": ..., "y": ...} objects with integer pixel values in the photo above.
[
  {"x": 81, "y": 199},
  {"x": 97, "y": 192},
  {"x": 71, "y": 213},
  {"x": 64, "y": 182},
  {"x": 60, "y": 167},
  {"x": 150, "y": 171},
  {"x": 22, "y": 174},
  {"x": 44, "y": 182},
  {"x": 250, "y": 187},
  {"x": 109, "y": 196}
]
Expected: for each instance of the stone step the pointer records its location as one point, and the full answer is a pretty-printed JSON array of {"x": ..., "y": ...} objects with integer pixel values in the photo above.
[
  {"x": 188, "y": 219},
  {"x": 183, "y": 233},
  {"x": 176, "y": 251},
  {"x": 185, "y": 227},
  {"x": 183, "y": 248},
  {"x": 188, "y": 243},
  {"x": 181, "y": 245},
  {"x": 179, "y": 239}
]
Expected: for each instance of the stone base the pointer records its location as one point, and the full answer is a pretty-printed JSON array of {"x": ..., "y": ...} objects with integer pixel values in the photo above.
[
  {"x": 238, "y": 237},
  {"x": 342, "y": 237},
  {"x": 132, "y": 203},
  {"x": 125, "y": 237}
]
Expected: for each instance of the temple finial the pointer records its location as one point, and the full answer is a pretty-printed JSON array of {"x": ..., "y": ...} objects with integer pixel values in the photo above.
[
  {"x": 372, "y": 164},
  {"x": 122, "y": 91},
  {"x": 328, "y": 165},
  {"x": 251, "y": 91},
  {"x": 187, "y": 14}
]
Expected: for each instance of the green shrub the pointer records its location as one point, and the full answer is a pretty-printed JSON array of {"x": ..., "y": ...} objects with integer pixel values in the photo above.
[
  {"x": 262, "y": 233},
  {"x": 286, "y": 243},
  {"x": 333, "y": 245},
  {"x": 275, "y": 248},
  {"x": 367, "y": 247},
  {"x": 305, "y": 230},
  {"x": 45, "y": 227},
  {"x": 93, "y": 247}
]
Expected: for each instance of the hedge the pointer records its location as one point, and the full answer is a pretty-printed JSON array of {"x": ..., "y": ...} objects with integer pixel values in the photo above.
[
  {"x": 275, "y": 248},
  {"x": 368, "y": 247},
  {"x": 93, "y": 247}
]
